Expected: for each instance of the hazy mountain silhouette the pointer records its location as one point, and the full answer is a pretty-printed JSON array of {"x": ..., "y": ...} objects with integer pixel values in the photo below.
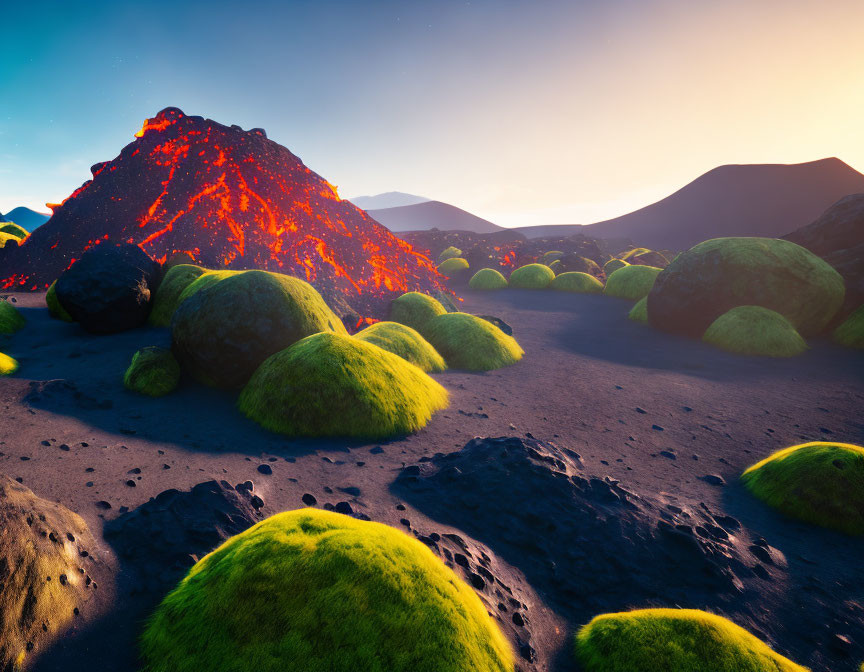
[
  {"x": 432, "y": 215},
  {"x": 29, "y": 219},
  {"x": 735, "y": 200},
  {"x": 391, "y": 199}
]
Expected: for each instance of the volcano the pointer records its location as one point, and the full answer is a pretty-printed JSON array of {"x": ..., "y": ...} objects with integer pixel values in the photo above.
[{"x": 227, "y": 198}]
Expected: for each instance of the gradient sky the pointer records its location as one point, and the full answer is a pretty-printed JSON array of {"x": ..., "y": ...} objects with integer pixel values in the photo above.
[{"x": 525, "y": 112}]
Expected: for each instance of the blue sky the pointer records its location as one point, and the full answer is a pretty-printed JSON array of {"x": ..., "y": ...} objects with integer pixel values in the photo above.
[{"x": 524, "y": 112}]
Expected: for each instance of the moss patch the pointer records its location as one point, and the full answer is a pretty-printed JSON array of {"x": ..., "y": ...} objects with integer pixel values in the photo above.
[
  {"x": 673, "y": 640},
  {"x": 57, "y": 311},
  {"x": 167, "y": 298},
  {"x": 487, "y": 278},
  {"x": 471, "y": 343},
  {"x": 634, "y": 252},
  {"x": 335, "y": 385},
  {"x": 613, "y": 265},
  {"x": 153, "y": 372},
  {"x": 453, "y": 268},
  {"x": 639, "y": 312},
  {"x": 404, "y": 341},
  {"x": 820, "y": 483},
  {"x": 450, "y": 253},
  {"x": 552, "y": 255},
  {"x": 323, "y": 592},
  {"x": 574, "y": 281},
  {"x": 18, "y": 231},
  {"x": 10, "y": 319},
  {"x": 8, "y": 365},
  {"x": 631, "y": 282},
  {"x": 851, "y": 332},
  {"x": 204, "y": 281},
  {"x": 754, "y": 330},
  {"x": 532, "y": 276},
  {"x": 415, "y": 310}
]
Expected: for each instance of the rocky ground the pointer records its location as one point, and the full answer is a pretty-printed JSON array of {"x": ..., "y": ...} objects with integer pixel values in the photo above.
[{"x": 618, "y": 488}]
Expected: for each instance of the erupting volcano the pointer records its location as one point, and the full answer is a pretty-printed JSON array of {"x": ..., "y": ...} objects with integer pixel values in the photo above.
[{"x": 228, "y": 198}]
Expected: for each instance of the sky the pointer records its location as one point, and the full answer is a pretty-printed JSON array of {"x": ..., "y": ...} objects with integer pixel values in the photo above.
[{"x": 521, "y": 111}]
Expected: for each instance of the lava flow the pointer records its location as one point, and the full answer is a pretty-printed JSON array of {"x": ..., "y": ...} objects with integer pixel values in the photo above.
[{"x": 228, "y": 198}]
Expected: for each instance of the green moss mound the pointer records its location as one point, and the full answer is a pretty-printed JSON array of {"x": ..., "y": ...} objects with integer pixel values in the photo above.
[
  {"x": 487, "y": 278},
  {"x": 405, "y": 342},
  {"x": 57, "y": 311},
  {"x": 552, "y": 255},
  {"x": 316, "y": 591},
  {"x": 631, "y": 282},
  {"x": 555, "y": 265},
  {"x": 532, "y": 276},
  {"x": 415, "y": 310},
  {"x": 334, "y": 385},
  {"x": 450, "y": 253},
  {"x": 167, "y": 298},
  {"x": 613, "y": 265},
  {"x": 153, "y": 372},
  {"x": 639, "y": 312},
  {"x": 8, "y": 365},
  {"x": 453, "y": 268},
  {"x": 851, "y": 332},
  {"x": 18, "y": 231},
  {"x": 10, "y": 319},
  {"x": 203, "y": 282},
  {"x": 673, "y": 640},
  {"x": 819, "y": 483},
  {"x": 471, "y": 343},
  {"x": 574, "y": 281},
  {"x": 754, "y": 330},
  {"x": 635, "y": 252}
]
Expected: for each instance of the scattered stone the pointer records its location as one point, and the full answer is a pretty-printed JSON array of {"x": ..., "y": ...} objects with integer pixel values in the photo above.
[
  {"x": 713, "y": 479},
  {"x": 265, "y": 469}
]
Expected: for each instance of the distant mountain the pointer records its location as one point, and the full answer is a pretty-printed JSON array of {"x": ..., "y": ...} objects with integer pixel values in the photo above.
[
  {"x": 392, "y": 199},
  {"x": 737, "y": 200},
  {"x": 29, "y": 219},
  {"x": 432, "y": 215}
]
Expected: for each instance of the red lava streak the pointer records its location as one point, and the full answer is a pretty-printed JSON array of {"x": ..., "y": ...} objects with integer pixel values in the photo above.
[{"x": 228, "y": 198}]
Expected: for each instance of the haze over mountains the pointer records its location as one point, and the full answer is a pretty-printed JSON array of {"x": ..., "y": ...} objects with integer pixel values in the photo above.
[
  {"x": 390, "y": 199},
  {"x": 25, "y": 217},
  {"x": 431, "y": 215}
]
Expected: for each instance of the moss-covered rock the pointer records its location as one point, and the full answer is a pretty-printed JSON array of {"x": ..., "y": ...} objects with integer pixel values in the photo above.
[
  {"x": 718, "y": 275},
  {"x": 580, "y": 283},
  {"x": 316, "y": 591},
  {"x": 449, "y": 253},
  {"x": 633, "y": 252},
  {"x": 531, "y": 276},
  {"x": 487, "y": 278},
  {"x": 631, "y": 282},
  {"x": 11, "y": 320},
  {"x": 576, "y": 263},
  {"x": 552, "y": 255},
  {"x": 8, "y": 365},
  {"x": 204, "y": 281},
  {"x": 851, "y": 332},
  {"x": 11, "y": 228},
  {"x": 673, "y": 640},
  {"x": 56, "y": 311},
  {"x": 754, "y": 330},
  {"x": 820, "y": 483},
  {"x": 404, "y": 341},
  {"x": 167, "y": 297},
  {"x": 555, "y": 266},
  {"x": 471, "y": 343},
  {"x": 639, "y": 312},
  {"x": 334, "y": 385},
  {"x": 222, "y": 333},
  {"x": 153, "y": 371},
  {"x": 415, "y": 310},
  {"x": 453, "y": 268},
  {"x": 613, "y": 265}
]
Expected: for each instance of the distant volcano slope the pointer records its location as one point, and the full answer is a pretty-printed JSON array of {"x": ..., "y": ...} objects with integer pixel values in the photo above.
[{"x": 228, "y": 198}]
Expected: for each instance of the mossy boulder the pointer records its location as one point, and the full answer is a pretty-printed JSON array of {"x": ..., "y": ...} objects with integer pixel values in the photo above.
[
  {"x": 718, "y": 275},
  {"x": 555, "y": 265},
  {"x": 552, "y": 255},
  {"x": 222, "y": 333},
  {"x": 316, "y": 591},
  {"x": 404, "y": 341},
  {"x": 153, "y": 371},
  {"x": 449, "y": 253},
  {"x": 8, "y": 365},
  {"x": 471, "y": 343},
  {"x": 631, "y": 282},
  {"x": 56, "y": 311},
  {"x": 575, "y": 263},
  {"x": 167, "y": 297},
  {"x": 580, "y": 283},
  {"x": 335, "y": 385},
  {"x": 851, "y": 332},
  {"x": 415, "y": 310},
  {"x": 820, "y": 483},
  {"x": 487, "y": 278},
  {"x": 13, "y": 229},
  {"x": 754, "y": 330},
  {"x": 531, "y": 276},
  {"x": 613, "y": 265},
  {"x": 11, "y": 320},
  {"x": 649, "y": 258},
  {"x": 46, "y": 582},
  {"x": 204, "y": 281},
  {"x": 639, "y": 312},
  {"x": 453, "y": 268},
  {"x": 633, "y": 252},
  {"x": 673, "y": 640}
]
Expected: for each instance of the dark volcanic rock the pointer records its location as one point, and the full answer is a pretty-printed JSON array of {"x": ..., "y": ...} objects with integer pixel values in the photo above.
[{"x": 109, "y": 288}]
